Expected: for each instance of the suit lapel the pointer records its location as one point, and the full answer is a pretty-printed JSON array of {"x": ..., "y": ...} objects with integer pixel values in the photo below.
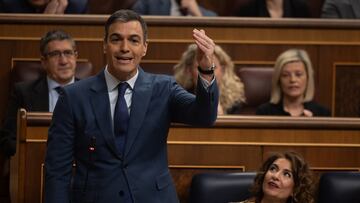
[
  {"x": 140, "y": 100},
  {"x": 40, "y": 96},
  {"x": 100, "y": 98}
]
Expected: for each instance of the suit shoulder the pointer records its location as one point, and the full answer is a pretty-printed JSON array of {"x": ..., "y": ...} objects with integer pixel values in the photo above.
[
  {"x": 28, "y": 85},
  {"x": 158, "y": 78}
]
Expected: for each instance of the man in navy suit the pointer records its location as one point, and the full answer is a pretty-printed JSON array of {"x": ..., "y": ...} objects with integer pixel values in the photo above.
[
  {"x": 58, "y": 58},
  {"x": 83, "y": 129}
]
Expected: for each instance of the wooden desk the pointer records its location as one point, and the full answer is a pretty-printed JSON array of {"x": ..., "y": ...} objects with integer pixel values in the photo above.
[{"x": 238, "y": 143}]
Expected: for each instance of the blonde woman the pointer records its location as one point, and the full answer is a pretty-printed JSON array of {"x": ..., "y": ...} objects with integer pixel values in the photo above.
[
  {"x": 231, "y": 88},
  {"x": 293, "y": 87}
]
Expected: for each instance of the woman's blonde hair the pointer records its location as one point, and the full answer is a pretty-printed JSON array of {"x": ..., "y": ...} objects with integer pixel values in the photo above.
[
  {"x": 292, "y": 55},
  {"x": 231, "y": 88}
]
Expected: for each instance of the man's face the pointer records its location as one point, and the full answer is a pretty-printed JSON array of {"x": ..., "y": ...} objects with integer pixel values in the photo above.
[
  {"x": 60, "y": 61},
  {"x": 38, "y": 3},
  {"x": 124, "y": 49}
]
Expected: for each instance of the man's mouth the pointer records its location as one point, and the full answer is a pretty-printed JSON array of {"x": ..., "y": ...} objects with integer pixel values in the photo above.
[{"x": 123, "y": 59}]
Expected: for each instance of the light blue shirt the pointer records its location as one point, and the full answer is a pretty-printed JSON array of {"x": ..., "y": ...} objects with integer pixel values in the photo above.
[{"x": 112, "y": 83}]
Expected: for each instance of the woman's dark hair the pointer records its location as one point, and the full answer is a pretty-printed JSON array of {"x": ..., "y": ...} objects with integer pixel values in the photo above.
[{"x": 302, "y": 175}]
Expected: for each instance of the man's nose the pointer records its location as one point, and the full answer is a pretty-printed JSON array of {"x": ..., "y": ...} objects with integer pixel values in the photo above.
[
  {"x": 124, "y": 46},
  {"x": 63, "y": 59}
]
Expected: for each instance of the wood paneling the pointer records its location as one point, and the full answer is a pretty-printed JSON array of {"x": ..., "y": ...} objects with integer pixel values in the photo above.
[
  {"x": 347, "y": 83},
  {"x": 235, "y": 143}
]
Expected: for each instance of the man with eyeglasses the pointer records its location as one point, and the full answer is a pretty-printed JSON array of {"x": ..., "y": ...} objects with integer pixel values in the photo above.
[{"x": 58, "y": 58}]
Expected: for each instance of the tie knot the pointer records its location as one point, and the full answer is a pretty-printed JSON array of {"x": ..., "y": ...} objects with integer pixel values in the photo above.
[
  {"x": 122, "y": 88},
  {"x": 59, "y": 89}
]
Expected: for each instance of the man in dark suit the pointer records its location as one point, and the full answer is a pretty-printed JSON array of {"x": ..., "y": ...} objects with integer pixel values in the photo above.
[
  {"x": 346, "y": 9},
  {"x": 121, "y": 155},
  {"x": 58, "y": 58}
]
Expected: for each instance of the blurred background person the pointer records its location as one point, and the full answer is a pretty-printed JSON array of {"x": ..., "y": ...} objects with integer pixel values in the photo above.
[
  {"x": 171, "y": 7},
  {"x": 283, "y": 178},
  {"x": 341, "y": 9},
  {"x": 231, "y": 88},
  {"x": 293, "y": 87},
  {"x": 58, "y": 58},
  {"x": 44, "y": 6},
  {"x": 275, "y": 9}
]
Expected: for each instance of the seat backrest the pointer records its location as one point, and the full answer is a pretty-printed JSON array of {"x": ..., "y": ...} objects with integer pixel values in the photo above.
[
  {"x": 339, "y": 187},
  {"x": 257, "y": 85},
  {"x": 221, "y": 187},
  {"x": 24, "y": 70}
]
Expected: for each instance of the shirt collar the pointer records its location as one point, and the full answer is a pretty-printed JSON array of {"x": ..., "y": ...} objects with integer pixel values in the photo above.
[
  {"x": 112, "y": 82},
  {"x": 52, "y": 83}
]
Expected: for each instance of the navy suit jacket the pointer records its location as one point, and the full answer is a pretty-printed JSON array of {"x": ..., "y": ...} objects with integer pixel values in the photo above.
[
  {"x": 82, "y": 119},
  {"x": 32, "y": 96},
  {"x": 160, "y": 7}
]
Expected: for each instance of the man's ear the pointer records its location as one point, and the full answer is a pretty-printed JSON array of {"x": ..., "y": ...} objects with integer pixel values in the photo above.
[
  {"x": 145, "y": 49},
  {"x": 104, "y": 47},
  {"x": 42, "y": 60}
]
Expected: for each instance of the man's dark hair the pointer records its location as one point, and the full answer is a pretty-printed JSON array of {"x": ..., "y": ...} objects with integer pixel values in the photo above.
[
  {"x": 54, "y": 35},
  {"x": 125, "y": 16}
]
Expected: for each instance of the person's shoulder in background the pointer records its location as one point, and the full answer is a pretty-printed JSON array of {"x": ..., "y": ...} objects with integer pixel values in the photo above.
[
  {"x": 22, "y": 6},
  {"x": 258, "y": 8},
  {"x": 345, "y": 9}
]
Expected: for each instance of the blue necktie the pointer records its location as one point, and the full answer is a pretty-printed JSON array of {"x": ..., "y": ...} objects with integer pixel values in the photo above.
[
  {"x": 121, "y": 118},
  {"x": 59, "y": 90}
]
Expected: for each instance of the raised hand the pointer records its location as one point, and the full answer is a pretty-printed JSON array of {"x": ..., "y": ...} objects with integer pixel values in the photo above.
[{"x": 206, "y": 48}]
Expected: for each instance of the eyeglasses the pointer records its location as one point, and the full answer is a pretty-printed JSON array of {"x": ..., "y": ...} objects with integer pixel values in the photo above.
[{"x": 58, "y": 54}]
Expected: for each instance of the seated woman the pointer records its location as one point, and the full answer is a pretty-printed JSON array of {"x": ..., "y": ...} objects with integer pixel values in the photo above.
[
  {"x": 231, "y": 88},
  {"x": 283, "y": 178},
  {"x": 293, "y": 87}
]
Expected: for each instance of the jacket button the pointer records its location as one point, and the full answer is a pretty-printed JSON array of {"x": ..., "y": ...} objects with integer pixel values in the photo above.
[{"x": 121, "y": 193}]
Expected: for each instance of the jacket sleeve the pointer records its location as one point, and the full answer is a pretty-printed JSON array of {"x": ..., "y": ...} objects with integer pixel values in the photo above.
[{"x": 59, "y": 154}]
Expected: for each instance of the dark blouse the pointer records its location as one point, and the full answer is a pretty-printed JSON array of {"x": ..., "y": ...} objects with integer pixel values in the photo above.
[
  {"x": 292, "y": 9},
  {"x": 278, "y": 110}
]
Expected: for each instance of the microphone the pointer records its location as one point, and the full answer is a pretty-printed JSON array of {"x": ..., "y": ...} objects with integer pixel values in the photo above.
[
  {"x": 91, "y": 150},
  {"x": 92, "y": 145}
]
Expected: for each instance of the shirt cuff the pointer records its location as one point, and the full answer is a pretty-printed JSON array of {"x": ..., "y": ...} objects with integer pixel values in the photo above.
[{"x": 206, "y": 84}]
